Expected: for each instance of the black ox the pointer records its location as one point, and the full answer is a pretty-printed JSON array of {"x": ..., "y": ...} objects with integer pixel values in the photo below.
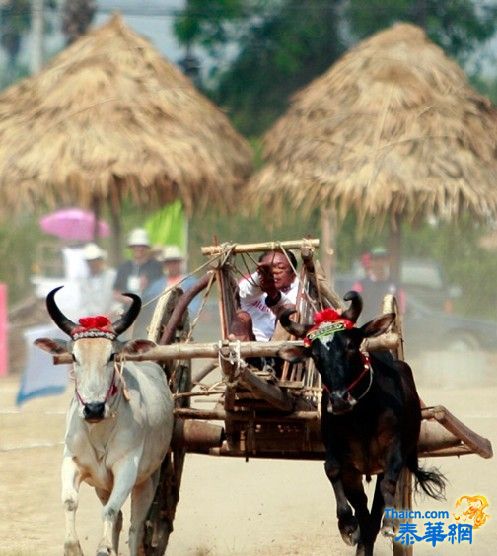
[{"x": 370, "y": 419}]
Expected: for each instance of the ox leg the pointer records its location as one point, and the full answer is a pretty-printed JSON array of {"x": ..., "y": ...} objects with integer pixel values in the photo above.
[
  {"x": 354, "y": 491},
  {"x": 103, "y": 495},
  {"x": 125, "y": 473},
  {"x": 141, "y": 498},
  {"x": 347, "y": 523},
  {"x": 395, "y": 463},
  {"x": 377, "y": 508},
  {"x": 71, "y": 481}
]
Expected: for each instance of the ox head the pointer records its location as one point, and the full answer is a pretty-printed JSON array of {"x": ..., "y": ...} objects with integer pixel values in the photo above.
[
  {"x": 333, "y": 341},
  {"x": 93, "y": 347}
]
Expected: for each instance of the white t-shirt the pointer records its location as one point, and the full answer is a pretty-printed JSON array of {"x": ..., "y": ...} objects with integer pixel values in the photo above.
[{"x": 252, "y": 300}]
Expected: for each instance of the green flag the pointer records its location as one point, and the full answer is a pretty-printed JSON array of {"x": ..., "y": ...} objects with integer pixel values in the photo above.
[{"x": 167, "y": 226}]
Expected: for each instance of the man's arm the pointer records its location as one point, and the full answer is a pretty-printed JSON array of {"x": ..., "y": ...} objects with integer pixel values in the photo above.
[{"x": 280, "y": 301}]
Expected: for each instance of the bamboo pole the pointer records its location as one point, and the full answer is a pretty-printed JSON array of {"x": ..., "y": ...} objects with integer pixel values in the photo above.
[
  {"x": 222, "y": 415},
  {"x": 272, "y": 394},
  {"x": 181, "y": 306},
  {"x": 211, "y": 350},
  {"x": 200, "y": 350},
  {"x": 249, "y": 247},
  {"x": 476, "y": 443},
  {"x": 317, "y": 277}
]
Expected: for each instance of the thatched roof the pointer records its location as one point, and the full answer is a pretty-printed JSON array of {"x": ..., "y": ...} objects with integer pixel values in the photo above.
[
  {"x": 109, "y": 116},
  {"x": 392, "y": 128}
]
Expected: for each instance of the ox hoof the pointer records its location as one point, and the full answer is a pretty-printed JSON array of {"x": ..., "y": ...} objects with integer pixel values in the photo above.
[
  {"x": 360, "y": 550},
  {"x": 349, "y": 529},
  {"x": 72, "y": 549}
]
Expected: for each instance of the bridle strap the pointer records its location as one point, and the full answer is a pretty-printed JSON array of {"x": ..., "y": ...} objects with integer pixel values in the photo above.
[{"x": 366, "y": 369}]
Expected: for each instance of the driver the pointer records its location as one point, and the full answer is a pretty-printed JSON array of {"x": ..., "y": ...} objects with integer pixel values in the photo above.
[{"x": 272, "y": 287}]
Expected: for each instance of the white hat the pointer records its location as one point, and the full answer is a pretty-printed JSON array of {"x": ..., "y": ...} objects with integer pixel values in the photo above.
[
  {"x": 171, "y": 253},
  {"x": 138, "y": 236},
  {"x": 92, "y": 251}
]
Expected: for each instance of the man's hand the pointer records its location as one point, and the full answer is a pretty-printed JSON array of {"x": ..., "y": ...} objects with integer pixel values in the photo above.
[{"x": 266, "y": 279}]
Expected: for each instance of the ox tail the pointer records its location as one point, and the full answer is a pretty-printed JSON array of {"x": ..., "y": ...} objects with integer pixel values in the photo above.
[{"x": 431, "y": 481}]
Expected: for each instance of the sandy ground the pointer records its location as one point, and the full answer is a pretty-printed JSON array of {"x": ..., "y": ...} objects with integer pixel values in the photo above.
[{"x": 229, "y": 507}]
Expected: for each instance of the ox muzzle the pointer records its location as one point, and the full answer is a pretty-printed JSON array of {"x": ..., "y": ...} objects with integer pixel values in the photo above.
[
  {"x": 340, "y": 402},
  {"x": 94, "y": 412}
]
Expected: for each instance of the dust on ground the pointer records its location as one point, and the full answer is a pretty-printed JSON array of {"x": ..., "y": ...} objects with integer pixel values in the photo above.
[{"x": 229, "y": 507}]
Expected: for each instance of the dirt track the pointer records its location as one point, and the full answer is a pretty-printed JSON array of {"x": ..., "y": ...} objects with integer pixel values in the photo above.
[{"x": 227, "y": 507}]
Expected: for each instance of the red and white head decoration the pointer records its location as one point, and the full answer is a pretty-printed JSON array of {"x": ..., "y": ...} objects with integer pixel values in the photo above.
[{"x": 326, "y": 323}]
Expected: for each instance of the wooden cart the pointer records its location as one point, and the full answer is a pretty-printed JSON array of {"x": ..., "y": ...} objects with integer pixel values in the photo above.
[{"x": 254, "y": 413}]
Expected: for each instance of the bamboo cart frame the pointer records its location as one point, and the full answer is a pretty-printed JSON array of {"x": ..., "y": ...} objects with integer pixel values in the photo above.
[{"x": 263, "y": 415}]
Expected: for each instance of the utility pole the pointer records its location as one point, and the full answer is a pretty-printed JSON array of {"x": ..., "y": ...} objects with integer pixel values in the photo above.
[{"x": 36, "y": 35}]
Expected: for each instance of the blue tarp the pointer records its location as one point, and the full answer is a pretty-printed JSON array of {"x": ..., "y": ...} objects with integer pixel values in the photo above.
[{"x": 40, "y": 376}]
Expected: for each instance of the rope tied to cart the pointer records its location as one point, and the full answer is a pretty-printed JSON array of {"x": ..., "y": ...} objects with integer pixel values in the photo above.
[
  {"x": 233, "y": 358},
  {"x": 185, "y": 277}
]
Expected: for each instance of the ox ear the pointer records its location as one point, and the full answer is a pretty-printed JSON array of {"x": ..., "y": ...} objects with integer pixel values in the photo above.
[
  {"x": 54, "y": 347},
  {"x": 293, "y": 354},
  {"x": 138, "y": 346},
  {"x": 377, "y": 326}
]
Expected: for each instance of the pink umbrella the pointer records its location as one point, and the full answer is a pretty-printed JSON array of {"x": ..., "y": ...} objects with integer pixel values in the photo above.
[{"x": 73, "y": 224}]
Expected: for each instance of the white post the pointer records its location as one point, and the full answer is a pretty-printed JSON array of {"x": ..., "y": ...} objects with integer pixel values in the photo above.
[
  {"x": 328, "y": 243},
  {"x": 36, "y": 35}
]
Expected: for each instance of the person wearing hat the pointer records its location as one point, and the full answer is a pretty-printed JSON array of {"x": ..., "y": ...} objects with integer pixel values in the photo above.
[
  {"x": 377, "y": 283},
  {"x": 172, "y": 264},
  {"x": 136, "y": 274},
  {"x": 173, "y": 273},
  {"x": 96, "y": 289}
]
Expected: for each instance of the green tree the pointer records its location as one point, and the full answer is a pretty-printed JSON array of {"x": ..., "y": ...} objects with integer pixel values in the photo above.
[
  {"x": 281, "y": 45},
  {"x": 15, "y": 24},
  {"x": 458, "y": 26},
  {"x": 77, "y": 16},
  {"x": 15, "y": 21}
]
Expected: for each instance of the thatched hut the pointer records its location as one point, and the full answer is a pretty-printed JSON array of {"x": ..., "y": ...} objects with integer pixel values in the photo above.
[
  {"x": 391, "y": 131},
  {"x": 109, "y": 118}
]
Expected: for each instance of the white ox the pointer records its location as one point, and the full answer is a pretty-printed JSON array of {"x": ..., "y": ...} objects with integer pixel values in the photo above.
[{"x": 119, "y": 425}]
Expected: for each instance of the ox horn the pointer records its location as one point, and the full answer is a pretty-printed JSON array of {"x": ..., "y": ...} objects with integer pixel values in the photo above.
[
  {"x": 295, "y": 328},
  {"x": 355, "y": 308},
  {"x": 65, "y": 324},
  {"x": 122, "y": 324}
]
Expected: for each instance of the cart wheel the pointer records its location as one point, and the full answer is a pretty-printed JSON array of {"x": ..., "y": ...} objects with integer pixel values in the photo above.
[{"x": 159, "y": 523}]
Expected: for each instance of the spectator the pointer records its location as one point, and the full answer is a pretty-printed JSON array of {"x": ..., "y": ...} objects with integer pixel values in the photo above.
[
  {"x": 173, "y": 265},
  {"x": 96, "y": 288},
  {"x": 271, "y": 287},
  {"x": 138, "y": 273},
  {"x": 377, "y": 284},
  {"x": 172, "y": 262}
]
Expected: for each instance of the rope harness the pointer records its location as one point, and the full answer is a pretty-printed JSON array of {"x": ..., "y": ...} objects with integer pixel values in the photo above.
[{"x": 233, "y": 358}]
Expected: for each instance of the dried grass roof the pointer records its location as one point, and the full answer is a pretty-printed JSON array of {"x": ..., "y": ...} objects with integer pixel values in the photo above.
[
  {"x": 109, "y": 116},
  {"x": 392, "y": 128}
]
